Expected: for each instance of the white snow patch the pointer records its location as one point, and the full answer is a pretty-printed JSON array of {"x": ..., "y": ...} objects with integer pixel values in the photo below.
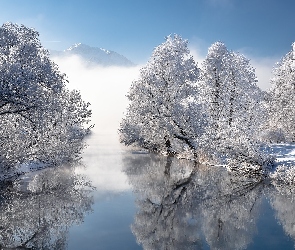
[
  {"x": 105, "y": 50},
  {"x": 284, "y": 153},
  {"x": 76, "y": 45}
]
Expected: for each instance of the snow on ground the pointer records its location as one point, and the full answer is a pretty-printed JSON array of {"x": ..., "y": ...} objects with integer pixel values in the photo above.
[
  {"x": 284, "y": 154},
  {"x": 21, "y": 169},
  {"x": 283, "y": 174}
]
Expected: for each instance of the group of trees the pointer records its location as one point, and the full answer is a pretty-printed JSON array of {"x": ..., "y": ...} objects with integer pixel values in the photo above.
[
  {"x": 40, "y": 119},
  {"x": 281, "y": 101},
  {"x": 215, "y": 113}
]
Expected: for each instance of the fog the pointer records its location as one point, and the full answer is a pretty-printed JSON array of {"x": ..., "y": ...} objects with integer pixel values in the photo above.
[
  {"x": 263, "y": 69},
  {"x": 106, "y": 88}
]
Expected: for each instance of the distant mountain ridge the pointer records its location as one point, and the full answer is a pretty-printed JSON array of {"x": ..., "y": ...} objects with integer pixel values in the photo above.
[{"x": 94, "y": 55}]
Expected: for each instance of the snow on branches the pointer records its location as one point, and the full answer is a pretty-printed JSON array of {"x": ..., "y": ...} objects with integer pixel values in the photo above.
[
  {"x": 281, "y": 103},
  {"x": 162, "y": 116},
  {"x": 213, "y": 113},
  {"x": 234, "y": 106},
  {"x": 40, "y": 120}
]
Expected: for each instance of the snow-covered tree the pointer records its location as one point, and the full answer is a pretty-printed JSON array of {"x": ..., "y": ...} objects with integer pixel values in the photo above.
[
  {"x": 39, "y": 118},
  {"x": 213, "y": 117},
  {"x": 234, "y": 105},
  {"x": 161, "y": 116},
  {"x": 282, "y": 101}
]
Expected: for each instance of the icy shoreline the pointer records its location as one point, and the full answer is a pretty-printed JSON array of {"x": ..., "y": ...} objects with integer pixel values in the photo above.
[
  {"x": 22, "y": 169},
  {"x": 284, "y": 164}
]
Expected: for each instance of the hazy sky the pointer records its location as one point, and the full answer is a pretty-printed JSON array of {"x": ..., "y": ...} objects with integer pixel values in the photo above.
[{"x": 261, "y": 28}]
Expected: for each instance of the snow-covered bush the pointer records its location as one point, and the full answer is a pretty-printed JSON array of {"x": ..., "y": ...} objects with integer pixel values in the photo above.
[{"x": 273, "y": 136}]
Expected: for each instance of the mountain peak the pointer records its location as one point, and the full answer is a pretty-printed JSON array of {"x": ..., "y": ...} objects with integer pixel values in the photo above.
[
  {"x": 106, "y": 51},
  {"x": 80, "y": 48},
  {"x": 76, "y": 45},
  {"x": 95, "y": 55}
]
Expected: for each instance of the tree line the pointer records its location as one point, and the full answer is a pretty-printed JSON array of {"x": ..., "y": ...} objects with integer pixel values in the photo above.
[{"x": 215, "y": 113}]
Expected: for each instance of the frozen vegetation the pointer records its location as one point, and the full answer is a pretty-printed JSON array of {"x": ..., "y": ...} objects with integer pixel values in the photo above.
[
  {"x": 213, "y": 114},
  {"x": 237, "y": 142},
  {"x": 42, "y": 123}
]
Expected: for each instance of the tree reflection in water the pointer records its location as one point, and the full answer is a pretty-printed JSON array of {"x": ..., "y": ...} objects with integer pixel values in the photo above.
[
  {"x": 36, "y": 211},
  {"x": 282, "y": 199},
  {"x": 183, "y": 205}
]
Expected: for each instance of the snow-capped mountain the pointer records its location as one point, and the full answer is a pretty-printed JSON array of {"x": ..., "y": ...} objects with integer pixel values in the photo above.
[{"x": 95, "y": 56}]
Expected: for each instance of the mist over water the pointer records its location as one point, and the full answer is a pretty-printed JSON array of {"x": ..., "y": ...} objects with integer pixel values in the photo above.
[
  {"x": 120, "y": 180},
  {"x": 139, "y": 200},
  {"x": 105, "y": 88}
]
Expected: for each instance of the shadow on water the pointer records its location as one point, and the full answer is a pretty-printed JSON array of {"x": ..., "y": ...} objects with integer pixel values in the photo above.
[
  {"x": 38, "y": 209},
  {"x": 183, "y": 205}
]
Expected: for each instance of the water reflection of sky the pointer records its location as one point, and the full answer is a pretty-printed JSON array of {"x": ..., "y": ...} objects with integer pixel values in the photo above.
[
  {"x": 108, "y": 227},
  {"x": 270, "y": 234}
]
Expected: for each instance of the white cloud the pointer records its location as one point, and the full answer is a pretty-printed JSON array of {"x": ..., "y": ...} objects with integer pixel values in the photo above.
[
  {"x": 198, "y": 49},
  {"x": 263, "y": 69},
  {"x": 197, "y": 55}
]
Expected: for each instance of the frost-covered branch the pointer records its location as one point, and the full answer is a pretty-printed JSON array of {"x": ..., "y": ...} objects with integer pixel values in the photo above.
[{"x": 39, "y": 117}]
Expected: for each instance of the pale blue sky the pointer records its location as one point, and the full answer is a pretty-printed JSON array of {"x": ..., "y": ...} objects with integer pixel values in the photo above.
[{"x": 263, "y": 28}]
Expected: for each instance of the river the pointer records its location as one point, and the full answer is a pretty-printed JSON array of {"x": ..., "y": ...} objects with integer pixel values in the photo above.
[{"x": 119, "y": 198}]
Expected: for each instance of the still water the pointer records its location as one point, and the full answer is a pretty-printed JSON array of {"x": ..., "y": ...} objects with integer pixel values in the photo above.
[
  {"x": 127, "y": 199},
  {"x": 123, "y": 199}
]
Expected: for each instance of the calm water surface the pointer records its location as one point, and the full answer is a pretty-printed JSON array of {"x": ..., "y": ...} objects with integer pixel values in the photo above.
[{"x": 124, "y": 199}]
